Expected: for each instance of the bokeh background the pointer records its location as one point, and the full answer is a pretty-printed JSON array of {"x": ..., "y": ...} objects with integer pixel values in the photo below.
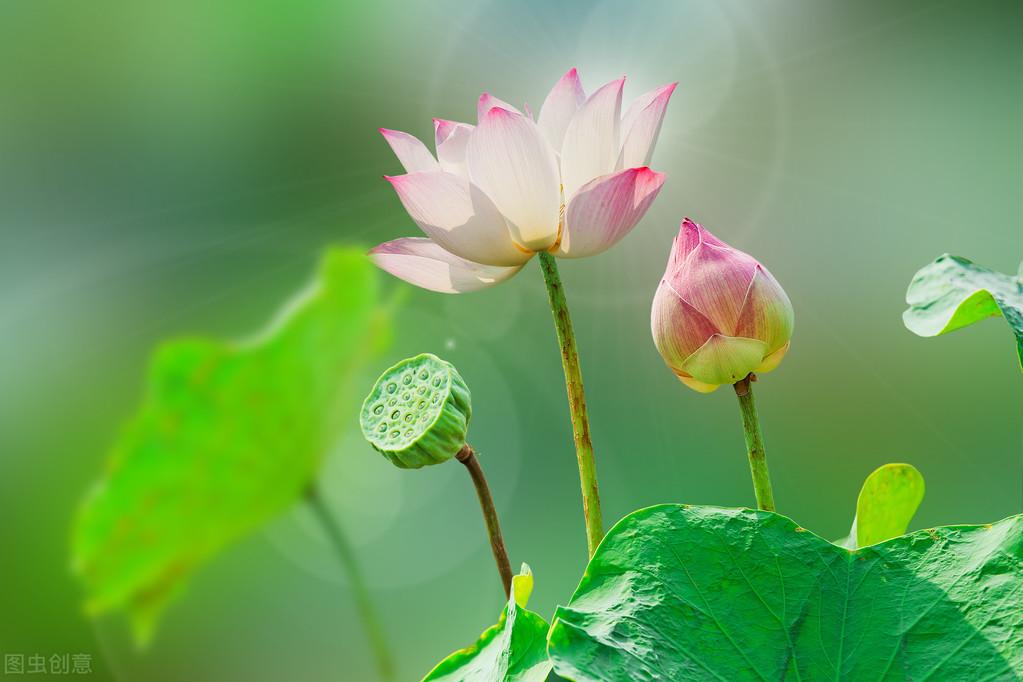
[{"x": 171, "y": 168}]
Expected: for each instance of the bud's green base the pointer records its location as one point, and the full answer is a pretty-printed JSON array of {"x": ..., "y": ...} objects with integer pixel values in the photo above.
[{"x": 418, "y": 412}]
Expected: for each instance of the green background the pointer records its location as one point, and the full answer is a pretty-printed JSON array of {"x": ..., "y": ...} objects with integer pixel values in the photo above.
[{"x": 169, "y": 168}]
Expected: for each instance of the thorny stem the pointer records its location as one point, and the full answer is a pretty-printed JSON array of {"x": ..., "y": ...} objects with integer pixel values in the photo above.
[
  {"x": 467, "y": 457},
  {"x": 576, "y": 402},
  {"x": 363, "y": 602},
  {"x": 755, "y": 443}
]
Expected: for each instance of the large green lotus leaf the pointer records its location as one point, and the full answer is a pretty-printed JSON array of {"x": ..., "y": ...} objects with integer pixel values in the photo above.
[
  {"x": 513, "y": 650},
  {"x": 953, "y": 292},
  {"x": 888, "y": 500},
  {"x": 676, "y": 592},
  {"x": 228, "y": 435}
]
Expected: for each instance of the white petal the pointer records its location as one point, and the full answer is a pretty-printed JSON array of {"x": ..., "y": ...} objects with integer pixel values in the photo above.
[
  {"x": 590, "y": 148},
  {"x": 510, "y": 160},
  {"x": 423, "y": 263},
  {"x": 557, "y": 111},
  {"x": 412, "y": 153},
  {"x": 488, "y": 102},
  {"x": 459, "y": 217},
  {"x": 642, "y": 125},
  {"x": 606, "y": 209},
  {"x": 451, "y": 139}
]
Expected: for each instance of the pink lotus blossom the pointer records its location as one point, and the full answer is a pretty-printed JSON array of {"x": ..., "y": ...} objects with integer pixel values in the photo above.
[
  {"x": 718, "y": 314},
  {"x": 573, "y": 182}
]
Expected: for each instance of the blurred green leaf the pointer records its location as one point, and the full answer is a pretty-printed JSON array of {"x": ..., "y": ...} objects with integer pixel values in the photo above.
[
  {"x": 953, "y": 292},
  {"x": 676, "y": 592},
  {"x": 513, "y": 650},
  {"x": 228, "y": 436},
  {"x": 888, "y": 500}
]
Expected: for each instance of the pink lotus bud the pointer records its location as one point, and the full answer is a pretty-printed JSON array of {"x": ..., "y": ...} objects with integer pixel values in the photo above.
[{"x": 718, "y": 314}]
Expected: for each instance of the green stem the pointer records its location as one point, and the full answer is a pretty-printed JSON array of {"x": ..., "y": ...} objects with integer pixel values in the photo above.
[
  {"x": 467, "y": 457},
  {"x": 576, "y": 402},
  {"x": 755, "y": 444},
  {"x": 363, "y": 602}
]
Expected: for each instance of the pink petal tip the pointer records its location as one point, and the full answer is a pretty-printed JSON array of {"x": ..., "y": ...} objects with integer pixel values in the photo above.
[
  {"x": 499, "y": 111},
  {"x": 442, "y": 127}
]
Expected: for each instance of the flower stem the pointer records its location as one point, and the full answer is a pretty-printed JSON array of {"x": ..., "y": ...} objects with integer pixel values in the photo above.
[
  {"x": 363, "y": 602},
  {"x": 576, "y": 402},
  {"x": 755, "y": 444},
  {"x": 467, "y": 457}
]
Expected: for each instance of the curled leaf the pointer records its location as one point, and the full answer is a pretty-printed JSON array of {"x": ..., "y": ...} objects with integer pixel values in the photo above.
[
  {"x": 513, "y": 650},
  {"x": 887, "y": 502},
  {"x": 228, "y": 436},
  {"x": 953, "y": 292}
]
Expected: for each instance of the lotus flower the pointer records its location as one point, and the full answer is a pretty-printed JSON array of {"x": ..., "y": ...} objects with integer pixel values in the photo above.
[
  {"x": 573, "y": 183},
  {"x": 718, "y": 314}
]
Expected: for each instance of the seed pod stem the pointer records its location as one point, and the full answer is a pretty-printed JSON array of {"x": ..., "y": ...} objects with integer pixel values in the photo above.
[
  {"x": 754, "y": 443},
  {"x": 467, "y": 457}
]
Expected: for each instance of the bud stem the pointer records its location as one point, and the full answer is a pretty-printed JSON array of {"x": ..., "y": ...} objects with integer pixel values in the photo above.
[
  {"x": 755, "y": 444},
  {"x": 363, "y": 601},
  {"x": 576, "y": 402},
  {"x": 467, "y": 457}
]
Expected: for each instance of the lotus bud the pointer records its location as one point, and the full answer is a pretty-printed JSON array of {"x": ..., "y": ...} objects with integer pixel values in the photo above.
[
  {"x": 418, "y": 412},
  {"x": 718, "y": 314}
]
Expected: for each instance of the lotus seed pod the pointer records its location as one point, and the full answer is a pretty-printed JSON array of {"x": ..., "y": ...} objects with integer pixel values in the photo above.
[
  {"x": 418, "y": 412},
  {"x": 718, "y": 314}
]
